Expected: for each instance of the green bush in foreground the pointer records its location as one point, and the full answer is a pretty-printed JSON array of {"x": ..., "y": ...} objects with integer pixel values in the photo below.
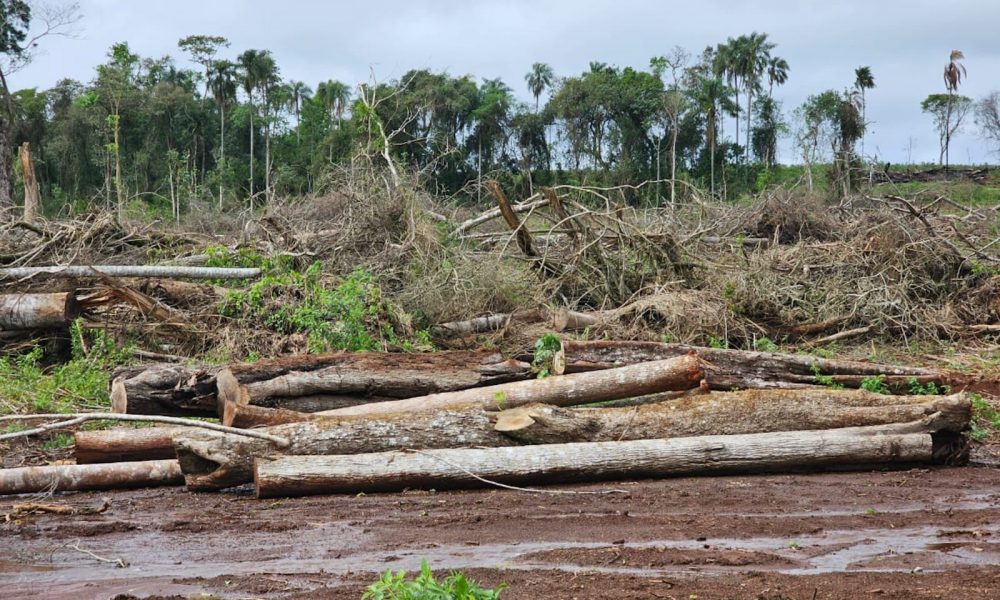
[{"x": 394, "y": 586}]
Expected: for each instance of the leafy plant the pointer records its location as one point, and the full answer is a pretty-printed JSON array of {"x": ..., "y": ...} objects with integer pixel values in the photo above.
[
  {"x": 984, "y": 418},
  {"x": 765, "y": 344},
  {"x": 926, "y": 389},
  {"x": 394, "y": 586},
  {"x": 826, "y": 380},
  {"x": 875, "y": 384},
  {"x": 546, "y": 350},
  {"x": 720, "y": 344}
]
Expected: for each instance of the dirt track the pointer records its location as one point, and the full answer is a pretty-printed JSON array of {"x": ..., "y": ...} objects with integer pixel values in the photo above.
[{"x": 908, "y": 534}]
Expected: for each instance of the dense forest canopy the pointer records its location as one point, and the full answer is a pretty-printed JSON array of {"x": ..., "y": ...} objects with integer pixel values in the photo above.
[{"x": 217, "y": 125}]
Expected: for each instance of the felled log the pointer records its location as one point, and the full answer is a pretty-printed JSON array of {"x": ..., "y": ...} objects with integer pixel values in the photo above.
[
  {"x": 311, "y": 383},
  {"x": 680, "y": 373},
  {"x": 738, "y": 369},
  {"x": 214, "y": 461},
  {"x": 733, "y": 413},
  {"x": 562, "y": 320},
  {"x": 37, "y": 311},
  {"x": 124, "y": 445},
  {"x": 62, "y": 478},
  {"x": 131, "y": 271},
  {"x": 593, "y": 461},
  {"x": 493, "y": 213}
]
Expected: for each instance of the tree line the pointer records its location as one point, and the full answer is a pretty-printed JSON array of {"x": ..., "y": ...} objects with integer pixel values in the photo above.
[{"x": 227, "y": 128}]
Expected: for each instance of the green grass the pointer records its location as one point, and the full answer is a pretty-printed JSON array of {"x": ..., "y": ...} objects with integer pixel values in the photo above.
[
  {"x": 456, "y": 586},
  {"x": 985, "y": 419}
]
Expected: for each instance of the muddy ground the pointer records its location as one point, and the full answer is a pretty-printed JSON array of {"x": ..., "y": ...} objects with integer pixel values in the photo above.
[{"x": 925, "y": 533}]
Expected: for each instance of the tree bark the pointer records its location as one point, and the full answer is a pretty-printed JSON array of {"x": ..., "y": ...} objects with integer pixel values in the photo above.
[
  {"x": 125, "y": 444},
  {"x": 680, "y": 373},
  {"x": 734, "y": 413},
  {"x": 131, "y": 271},
  {"x": 737, "y": 369},
  {"x": 37, "y": 311},
  {"x": 32, "y": 199},
  {"x": 63, "y": 478},
  {"x": 310, "y": 383},
  {"x": 595, "y": 461},
  {"x": 214, "y": 461}
]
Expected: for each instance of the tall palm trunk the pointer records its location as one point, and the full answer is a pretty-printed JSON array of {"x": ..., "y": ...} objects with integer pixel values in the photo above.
[
  {"x": 222, "y": 150},
  {"x": 749, "y": 104},
  {"x": 251, "y": 154}
]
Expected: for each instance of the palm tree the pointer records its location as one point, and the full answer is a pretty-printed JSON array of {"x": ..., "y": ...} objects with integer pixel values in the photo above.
[
  {"x": 777, "y": 72},
  {"x": 863, "y": 80},
  {"x": 334, "y": 96},
  {"x": 298, "y": 93},
  {"x": 954, "y": 72},
  {"x": 712, "y": 95},
  {"x": 725, "y": 65},
  {"x": 222, "y": 85},
  {"x": 540, "y": 78},
  {"x": 753, "y": 56},
  {"x": 250, "y": 62}
]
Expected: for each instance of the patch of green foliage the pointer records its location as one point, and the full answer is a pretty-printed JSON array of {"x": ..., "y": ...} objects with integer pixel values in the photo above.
[
  {"x": 27, "y": 386},
  {"x": 717, "y": 343},
  {"x": 826, "y": 380},
  {"x": 926, "y": 389},
  {"x": 984, "y": 418},
  {"x": 765, "y": 344},
  {"x": 546, "y": 349},
  {"x": 394, "y": 586},
  {"x": 352, "y": 315},
  {"x": 875, "y": 384}
]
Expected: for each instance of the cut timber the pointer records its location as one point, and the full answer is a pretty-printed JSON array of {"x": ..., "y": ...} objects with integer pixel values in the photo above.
[
  {"x": 125, "y": 444},
  {"x": 595, "y": 461},
  {"x": 62, "y": 478},
  {"x": 680, "y": 373},
  {"x": 311, "y": 383},
  {"x": 32, "y": 199},
  {"x": 486, "y": 324},
  {"x": 493, "y": 213},
  {"x": 131, "y": 271},
  {"x": 732, "y": 413},
  {"x": 214, "y": 461},
  {"x": 37, "y": 311},
  {"x": 737, "y": 369}
]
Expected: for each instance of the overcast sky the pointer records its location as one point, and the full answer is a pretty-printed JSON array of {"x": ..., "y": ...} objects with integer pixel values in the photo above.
[{"x": 906, "y": 43}]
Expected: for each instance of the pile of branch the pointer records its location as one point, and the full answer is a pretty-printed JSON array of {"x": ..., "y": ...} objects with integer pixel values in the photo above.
[{"x": 347, "y": 423}]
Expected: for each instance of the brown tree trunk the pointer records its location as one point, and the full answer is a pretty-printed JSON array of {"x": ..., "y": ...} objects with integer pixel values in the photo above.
[
  {"x": 214, "y": 461},
  {"x": 594, "y": 461},
  {"x": 125, "y": 444},
  {"x": 733, "y": 413},
  {"x": 6, "y": 158},
  {"x": 32, "y": 199},
  {"x": 37, "y": 311},
  {"x": 680, "y": 373},
  {"x": 737, "y": 369},
  {"x": 63, "y": 478},
  {"x": 311, "y": 383}
]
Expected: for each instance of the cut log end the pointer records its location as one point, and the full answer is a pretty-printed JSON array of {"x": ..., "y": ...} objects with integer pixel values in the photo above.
[{"x": 119, "y": 396}]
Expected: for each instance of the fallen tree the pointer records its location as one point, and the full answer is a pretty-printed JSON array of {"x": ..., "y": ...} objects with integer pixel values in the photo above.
[
  {"x": 592, "y": 461},
  {"x": 213, "y": 461},
  {"x": 310, "y": 383},
  {"x": 738, "y": 369},
  {"x": 62, "y": 478},
  {"x": 680, "y": 373},
  {"x": 164, "y": 271},
  {"x": 37, "y": 311}
]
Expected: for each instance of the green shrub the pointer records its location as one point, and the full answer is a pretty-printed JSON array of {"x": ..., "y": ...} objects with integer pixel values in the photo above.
[
  {"x": 875, "y": 384},
  {"x": 826, "y": 380},
  {"x": 927, "y": 389},
  {"x": 984, "y": 418},
  {"x": 546, "y": 350},
  {"x": 765, "y": 345},
  {"x": 394, "y": 586}
]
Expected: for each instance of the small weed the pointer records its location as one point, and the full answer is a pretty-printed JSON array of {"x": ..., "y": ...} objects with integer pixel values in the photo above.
[
  {"x": 794, "y": 546},
  {"x": 546, "y": 350},
  {"x": 500, "y": 399},
  {"x": 720, "y": 344},
  {"x": 984, "y": 419},
  {"x": 825, "y": 380},
  {"x": 394, "y": 586},
  {"x": 59, "y": 440},
  {"x": 876, "y": 385},
  {"x": 765, "y": 345},
  {"x": 926, "y": 389},
  {"x": 871, "y": 512}
]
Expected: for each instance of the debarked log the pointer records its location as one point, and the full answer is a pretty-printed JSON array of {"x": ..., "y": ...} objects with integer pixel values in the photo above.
[
  {"x": 738, "y": 369},
  {"x": 37, "y": 311},
  {"x": 589, "y": 461},
  {"x": 61, "y": 478},
  {"x": 680, "y": 373}
]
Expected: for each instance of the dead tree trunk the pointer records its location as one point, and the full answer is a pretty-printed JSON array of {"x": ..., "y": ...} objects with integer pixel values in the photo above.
[
  {"x": 681, "y": 373},
  {"x": 130, "y": 271},
  {"x": 595, "y": 461},
  {"x": 63, "y": 478},
  {"x": 733, "y": 413},
  {"x": 37, "y": 311},
  {"x": 214, "y": 461},
  {"x": 311, "y": 383},
  {"x": 737, "y": 369},
  {"x": 32, "y": 199},
  {"x": 125, "y": 445}
]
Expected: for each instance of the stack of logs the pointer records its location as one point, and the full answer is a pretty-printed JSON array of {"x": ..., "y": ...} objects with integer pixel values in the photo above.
[{"x": 366, "y": 422}]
